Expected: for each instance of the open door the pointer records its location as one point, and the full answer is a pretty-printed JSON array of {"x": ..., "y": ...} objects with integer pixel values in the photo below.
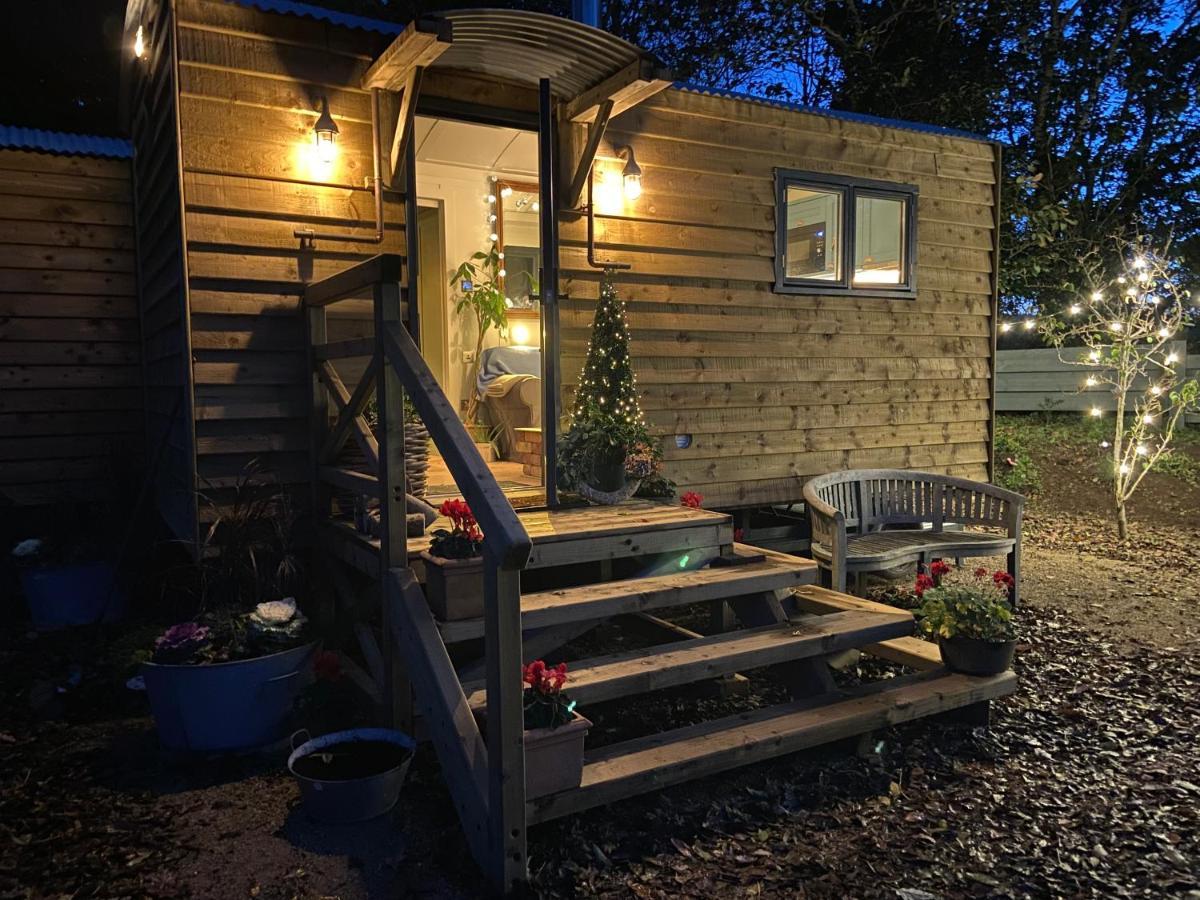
[{"x": 551, "y": 365}]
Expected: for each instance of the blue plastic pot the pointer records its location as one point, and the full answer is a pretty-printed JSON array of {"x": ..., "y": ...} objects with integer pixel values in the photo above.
[
  {"x": 352, "y": 799},
  {"x": 62, "y": 596},
  {"x": 226, "y": 706}
]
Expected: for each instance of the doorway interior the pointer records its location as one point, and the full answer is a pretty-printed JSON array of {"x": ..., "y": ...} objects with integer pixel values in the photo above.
[{"x": 477, "y": 188}]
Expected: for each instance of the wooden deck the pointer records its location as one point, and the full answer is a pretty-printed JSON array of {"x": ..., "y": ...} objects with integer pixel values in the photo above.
[{"x": 638, "y": 528}]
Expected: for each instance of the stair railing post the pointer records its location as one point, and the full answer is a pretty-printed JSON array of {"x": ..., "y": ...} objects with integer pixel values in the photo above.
[
  {"x": 393, "y": 511},
  {"x": 318, "y": 412},
  {"x": 505, "y": 722}
]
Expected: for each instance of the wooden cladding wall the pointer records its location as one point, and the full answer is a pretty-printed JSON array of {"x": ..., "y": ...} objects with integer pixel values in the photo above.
[
  {"x": 250, "y": 90},
  {"x": 70, "y": 370},
  {"x": 162, "y": 286},
  {"x": 771, "y": 388}
]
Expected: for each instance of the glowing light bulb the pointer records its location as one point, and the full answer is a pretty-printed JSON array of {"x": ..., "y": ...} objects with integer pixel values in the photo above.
[
  {"x": 1148, "y": 419},
  {"x": 492, "y": 217},
  {"x": 520, "y": 334},
  {"x": 139, "y": 43},
  {"x": 1092, "y": 381},
  {"x": 493, "y": 236},
  {"x": 1029, "y": 324},
  {"x": 536, "y": 206},
  {"x": 1124, "y": 468},
  {"x": 1006, "y": 326},
  {"x": 1142, "y": 449},
  {"x": 1097, "y": 412},
  {"x": 1104, "y": 445},
  {"x": 1094, "y": 356},
  {"x": 1164, "y": 333},
  {"x": 1115, "y": 326},
  {"x": 491, "y": 198},
  {"x": 1097, "y": 297},
  {"x": 1140, "y": 262},
  {"x": 506, "y": 191},
  {"x": 1172, "y": 358},
  {"x": 1075, "y": 309}
]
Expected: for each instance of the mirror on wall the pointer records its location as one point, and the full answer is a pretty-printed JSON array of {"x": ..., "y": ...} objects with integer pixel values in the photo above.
[{"x": 519, "y": 235}]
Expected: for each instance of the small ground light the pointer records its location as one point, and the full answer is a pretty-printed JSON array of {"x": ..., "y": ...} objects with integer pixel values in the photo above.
[
  {"x": 1096, "y": 412},
  {"x": 683, "y": 561}
]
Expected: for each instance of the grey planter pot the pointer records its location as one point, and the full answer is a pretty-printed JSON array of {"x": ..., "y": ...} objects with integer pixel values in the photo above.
[
  {"x": 972, "y": 656},
  {"x": 351, "y": 799},
  {"x": 454, "y": 587}
]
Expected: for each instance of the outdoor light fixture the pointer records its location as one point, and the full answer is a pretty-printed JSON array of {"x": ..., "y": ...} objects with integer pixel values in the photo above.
[
  {"x": 326, "y": 131},
  {"x": 139, "y": 43},
  {"x": 632, "y": 173},
  {"x": 520, "y": 334}
]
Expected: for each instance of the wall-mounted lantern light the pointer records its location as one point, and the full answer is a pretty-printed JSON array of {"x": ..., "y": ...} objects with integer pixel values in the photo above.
[
  {"x": 326, "y": 131},
  {"x": 139, "y": 43},
  {"x": 632, "y": 173}
]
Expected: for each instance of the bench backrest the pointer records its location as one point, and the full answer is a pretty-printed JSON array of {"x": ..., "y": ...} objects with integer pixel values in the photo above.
[{"x": 872, "y": 498}]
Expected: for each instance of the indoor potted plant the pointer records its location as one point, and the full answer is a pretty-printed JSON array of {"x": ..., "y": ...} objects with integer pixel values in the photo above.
[
  {"x": 971, "y": 618},
  {"x": 345, "y": 773},
  {"x": 481, "y": 293},
  {"x": 554, "y": 732},
  {"x": 226, "y": 678},
  {"x": 454, "y": 565}
]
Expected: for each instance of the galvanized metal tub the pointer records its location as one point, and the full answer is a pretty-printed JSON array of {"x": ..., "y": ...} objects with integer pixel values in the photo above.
[
  {"x": 226, "y": 706},
  {"x": 351, "y": 799}
]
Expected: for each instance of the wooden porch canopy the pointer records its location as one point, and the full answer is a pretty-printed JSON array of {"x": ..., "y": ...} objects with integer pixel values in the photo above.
[{"x": 593, "y": 75}]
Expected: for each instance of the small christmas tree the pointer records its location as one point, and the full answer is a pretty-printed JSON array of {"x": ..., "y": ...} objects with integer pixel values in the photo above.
[
  {"x": 607, "y": 445},
  {"x": 606, "y": 385}
]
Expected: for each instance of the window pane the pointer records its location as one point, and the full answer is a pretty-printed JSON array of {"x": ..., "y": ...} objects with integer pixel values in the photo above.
[
  {"x": 814, "y": 222},
  {"x": 878, "y": 241}
]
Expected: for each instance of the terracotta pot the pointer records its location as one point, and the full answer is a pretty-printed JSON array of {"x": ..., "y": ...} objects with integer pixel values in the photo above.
[
  {"x": 973, "y": 656},
  {"x": 454, "y": 587},
  {"x": 554, "y": 757}
]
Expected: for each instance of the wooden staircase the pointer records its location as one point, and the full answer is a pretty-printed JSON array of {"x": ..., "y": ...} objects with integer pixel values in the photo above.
[{"x": 766, "y": 611}]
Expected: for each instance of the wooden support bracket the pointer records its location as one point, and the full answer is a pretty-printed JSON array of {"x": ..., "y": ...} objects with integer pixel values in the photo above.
[
  {"x": 419, "y": 45},
  {"x": 626, "y": 88},
  {"x": 405, "y": 120},
  {"x": 583, "y": 168}
]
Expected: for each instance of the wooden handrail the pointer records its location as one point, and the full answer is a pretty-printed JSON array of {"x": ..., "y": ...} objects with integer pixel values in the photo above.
[
  {"x": 356, "y": 279},
  {"x": 505, "y": 537}
]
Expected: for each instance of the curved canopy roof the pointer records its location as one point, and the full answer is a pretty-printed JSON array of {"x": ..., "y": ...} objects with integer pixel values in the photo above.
[{"x": 523, "y": 47}]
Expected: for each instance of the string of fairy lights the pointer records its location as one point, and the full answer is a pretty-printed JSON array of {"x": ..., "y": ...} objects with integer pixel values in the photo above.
[
  {"x": 1140, "y": 317},
  {"x": 603, "y": 367}
]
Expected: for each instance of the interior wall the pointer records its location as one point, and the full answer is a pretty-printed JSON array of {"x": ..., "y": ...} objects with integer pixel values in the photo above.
[{"x": 462, "y": 193}]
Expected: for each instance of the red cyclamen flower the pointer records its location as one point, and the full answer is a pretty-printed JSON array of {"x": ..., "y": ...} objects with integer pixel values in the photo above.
[
  {"x": 939, "y": 568},
  {"x": 924, "y": 583},
  {"x": 1003, "y": 578},
  {"x": 691, "y": 499}
]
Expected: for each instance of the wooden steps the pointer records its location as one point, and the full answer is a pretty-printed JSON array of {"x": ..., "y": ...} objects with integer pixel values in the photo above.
[
  {"x": 684, "y": 662},
  {"x": 634, "y": 767},
  {"x": 600, "y": 601}
]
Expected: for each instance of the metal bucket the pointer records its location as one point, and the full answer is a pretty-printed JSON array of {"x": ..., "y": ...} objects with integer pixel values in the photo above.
[
  {"x": 62, "y": 596},
  {"x": 225, "y": 706},
  {"x": 354, "y": 799}
]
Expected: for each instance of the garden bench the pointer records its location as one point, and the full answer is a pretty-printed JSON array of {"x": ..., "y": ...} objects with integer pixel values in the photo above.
[{"x": 870, "y": 520}]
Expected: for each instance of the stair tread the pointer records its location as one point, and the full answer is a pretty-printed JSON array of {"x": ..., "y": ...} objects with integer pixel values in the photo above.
[
  {"x": 648, "y": 763},
  {"x": 682, "y": 662},
  {"x": 599, "y": 601}
]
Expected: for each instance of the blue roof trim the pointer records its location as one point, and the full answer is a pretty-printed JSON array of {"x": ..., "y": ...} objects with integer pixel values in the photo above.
[
  {"x": 333, "y": 17},
  {"x": 836, "y": 114},
  {"x": 14, "y": 138}
]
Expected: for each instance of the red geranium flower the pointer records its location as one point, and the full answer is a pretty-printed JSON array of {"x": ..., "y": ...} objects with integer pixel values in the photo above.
[
  {"x": 924, "y": 583},
  {"x": 939, "y": 568},
  {"x": 691, "y": 499},
  {"x": 1003, "y": 578},
  {"x": 980, "y": 572}
]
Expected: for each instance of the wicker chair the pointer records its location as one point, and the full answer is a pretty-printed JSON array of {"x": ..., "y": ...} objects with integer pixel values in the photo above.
[{"x": 851, "y": 513}]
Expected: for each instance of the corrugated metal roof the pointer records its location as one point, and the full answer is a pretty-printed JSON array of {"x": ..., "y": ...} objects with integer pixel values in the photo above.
[
  {"x": 836, "y": 114},
  {"x": 61, "y": 142},
  {"x": 523, "y": 47},
  {"x": 333, "y": 17}
]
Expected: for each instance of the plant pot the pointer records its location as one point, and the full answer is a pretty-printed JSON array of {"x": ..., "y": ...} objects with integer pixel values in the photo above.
[
  {"x": 454, "y": 587},
  {"x": 351, "y": 776},
  {"x": 225, "y": 706},
  {"x": 62, "y": 596},
  {"x": 554, "y": 757},
  {"x": 973, "y": 656}
]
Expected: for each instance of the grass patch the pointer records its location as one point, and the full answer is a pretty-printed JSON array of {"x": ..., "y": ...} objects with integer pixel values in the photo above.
[{"x": 1022, "y": 439}]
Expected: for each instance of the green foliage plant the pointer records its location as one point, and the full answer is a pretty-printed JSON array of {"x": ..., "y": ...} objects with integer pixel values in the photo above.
[
  {"x": 484, "y": 300},
  {"x": 957, "y": 605}
]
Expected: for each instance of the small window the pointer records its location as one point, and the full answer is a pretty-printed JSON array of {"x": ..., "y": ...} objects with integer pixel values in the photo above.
[{"x": 840, "y": 235}]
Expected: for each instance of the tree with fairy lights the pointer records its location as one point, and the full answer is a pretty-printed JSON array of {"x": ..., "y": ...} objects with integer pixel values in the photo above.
[
  {"x": 1127, "y": 331},
  {"x": 607, "y": 451}
]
